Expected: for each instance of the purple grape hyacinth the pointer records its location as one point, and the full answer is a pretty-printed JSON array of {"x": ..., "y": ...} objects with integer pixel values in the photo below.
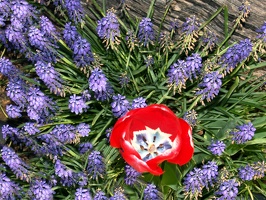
[
  {"x": 47, "y": 27},
  {"x": 99, "y": 84},
  {"x": 65, "y": 133},
  {"x": 15, "y": 163},
  {"x": 118, "y": 195},
  {"x": 131, "y": 175},
  {"x": 139, "y": 102},
  {"x": 7, "y": 68},
  {"x": 82, "y": 54},
  {"x": 97, "y": 81},
  {"x": 108, "y": 27},
  {"x": 83, "y": 129},
  {"x": 190, "y": 25},
  {"x": 13, "y": 111},
  {"x": 235, "y": 55},
  {"x": 84, "y": 147},
  {"x": 39, "y": 189},
  {"x": 262, "y": 32},
  {"x": 96, "y": 166},
  {"x": 217, "y": 147},
  {"x": 37, "y": 39},
  {"x": 210, "y": 85},
  {"x": 210, "y": 173},
  {"x": 66, "y": 175},
  {"x": 191, "y": 117},
  {"x": 243, "y": 133},
  {"x": 194, "y": 182},
  {"x": 8, "y": 189},
  {"x": 120, "y": 105},
  {"x": 31, "y": 128},
  {"x": 70, "y": 34},
  {"x": 74, "y": 10},
  {"x": 146, "y": 34},
  {"x": 194, "y": 65},
  {"x": 178, "y": 73},
  {"x": 228, "y": 190},
  {"x": 40, "y": 107},
  {"x": 151, "y": 192},
  {"x": 77, "y": 104},
  {"x": 5, "y": 8},
  {"x": 22, "y": 12},
  {"x": 16, "y": 91},
  {"x": 246, "y": 173},
  {"x": 82, "y": 194},
  {"x": 49, "y": 76},
  {"x": 9, "y": 132},
  {"x": 100, "y": 196}
]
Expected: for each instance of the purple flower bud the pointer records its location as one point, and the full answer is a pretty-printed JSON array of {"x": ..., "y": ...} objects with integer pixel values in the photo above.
[
  {"x": 31, "y": 128},
  {"x": 49, "y": 76},
  {"x": 97, "y": 80},
  {"x": 190, "y": 25},
  {"x": 13, "y": 111},
  {"x": 262, "y": 32},
  {"x": 131, "y": 175},
  {"x": 82, "y": 52},
  {"x": 120, "y": 105},
  {"x": 96, "y": 166},
  {"x": 210, "y": 173},
  {"x": 15, "y": 163},
  {"x": 191, "y": 117},
  {"x": 210, "y": 85},
  {"x": 8, "y": 189},
  {"x": 99, "y": 84},
  {"x": 40, "y": 190},
  {"x": 5, "y": 8},
  {"x": 243, "y": 133},
  {"x": 100, "y": 196},
  {"x": 82, "y": 194},
  {"x": 228, "y": 190},
  {"x": 65, "y": 133},
  {"x": 150, "y": 192},
  {"x": 235, "y": 55},
  {"x": 193, "y": 181},
  {"x": 37, "y": 39},
  {"x": 139, "y": 102},
  {"x": 9, "y": 132},
  {"x": 84, "y": 147},
  {"x": 83, "y": 129},
  {"x": 16, "y": 91},
  {"x": 108, "y": 27},
  {"x": 74, "y": 10},
  {"x": 246, "y": 173},
  {"x": 194, "y": 64},
  {"x": 47, "y": 27},
  {"x": 70, "y": 34},
  {"x": 118, "y": 195},
  {"x": 217, "y": 147},
  {"x": 146, "y": 33},
  {"x": 66, "y": 175},
  {"x": 7, "y": 68},
  {"x": 178, "y": 73},
  {"x": 77, "y": 104}
]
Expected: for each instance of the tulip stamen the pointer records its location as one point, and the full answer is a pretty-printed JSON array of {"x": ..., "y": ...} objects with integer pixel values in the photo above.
[{"x": 150, "y": 143}]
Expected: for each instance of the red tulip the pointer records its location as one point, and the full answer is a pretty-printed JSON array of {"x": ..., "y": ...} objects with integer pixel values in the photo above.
[{"x": 148, "y": 136}]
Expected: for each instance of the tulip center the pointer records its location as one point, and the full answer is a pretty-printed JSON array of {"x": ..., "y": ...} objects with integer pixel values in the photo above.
[{"x": 150, "y": 143}]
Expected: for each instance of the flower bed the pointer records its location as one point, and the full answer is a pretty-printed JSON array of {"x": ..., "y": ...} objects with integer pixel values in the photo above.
[{"x": 116, "y": 109}]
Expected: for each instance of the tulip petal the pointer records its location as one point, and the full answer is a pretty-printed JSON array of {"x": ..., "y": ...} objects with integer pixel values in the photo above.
[
  {"x": 156, "y": 116},
  {"x": 187, "y": 147},
  {"x": 133, "y": 158}
]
